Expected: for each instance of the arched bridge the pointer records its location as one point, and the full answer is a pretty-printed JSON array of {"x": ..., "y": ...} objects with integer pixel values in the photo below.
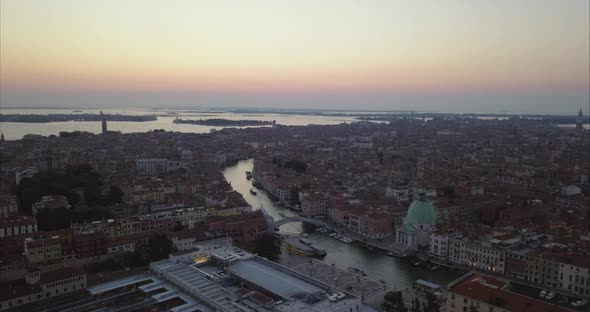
[{"x": 278, "y": 223}]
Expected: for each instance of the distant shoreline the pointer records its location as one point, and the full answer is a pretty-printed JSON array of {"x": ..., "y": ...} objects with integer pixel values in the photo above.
[
  {"x": 48, "y": 118},
  {"x": 218, "y": 122},
  {"x": 305, "y": 111}
]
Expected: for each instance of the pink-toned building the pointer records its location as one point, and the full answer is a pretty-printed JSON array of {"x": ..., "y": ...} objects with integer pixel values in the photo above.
[
  {"x": 379, "y": 224},
  {"x": 244, "y": 228},
  {"x": 314, "y": 205}
]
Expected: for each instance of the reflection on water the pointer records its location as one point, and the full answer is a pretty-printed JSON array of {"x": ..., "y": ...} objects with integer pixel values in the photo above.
[
  {"x": 378, "y": 266},
  {"x": 16, "y": 130}
]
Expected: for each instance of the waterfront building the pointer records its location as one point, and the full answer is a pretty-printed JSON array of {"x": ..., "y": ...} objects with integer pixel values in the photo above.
[
  {"x": 477, "y": 254},
  {"x": 574, "y": 273},
  {"x": 419, "y": 222},
  {"x": 438, "y": 243},
  {"x": 314, "y": 205},
  {"x": 487, "y": 293}
]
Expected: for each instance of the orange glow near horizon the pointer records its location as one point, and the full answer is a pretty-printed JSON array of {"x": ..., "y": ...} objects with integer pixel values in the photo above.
[{"x": 291, "y": 46}]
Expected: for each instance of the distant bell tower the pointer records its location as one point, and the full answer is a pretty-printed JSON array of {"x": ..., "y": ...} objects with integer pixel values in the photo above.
[
  {"x": 104, "y": 123},
  {"x": 580, "y": 121}
]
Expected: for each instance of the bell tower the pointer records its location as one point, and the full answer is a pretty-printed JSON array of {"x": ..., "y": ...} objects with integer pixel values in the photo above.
[
  {"x": 580, "y": 121},
  {"x": 104, "y": 123}
]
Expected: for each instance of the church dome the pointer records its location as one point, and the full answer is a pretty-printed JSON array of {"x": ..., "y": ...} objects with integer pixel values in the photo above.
[
  {"x": 186, "y": 155},
  {"x": 421, "y": 212}
]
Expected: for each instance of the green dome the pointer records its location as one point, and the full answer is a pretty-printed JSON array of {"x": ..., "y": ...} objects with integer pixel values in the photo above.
[{"x": 421, "y": 212}]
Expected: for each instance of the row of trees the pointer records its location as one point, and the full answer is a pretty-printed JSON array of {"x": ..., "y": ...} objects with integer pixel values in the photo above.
[
  {"x": 157, "y": 248},
  {"x": 297, "y": 165}
]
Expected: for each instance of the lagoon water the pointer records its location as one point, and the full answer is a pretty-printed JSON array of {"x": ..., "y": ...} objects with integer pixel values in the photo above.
[{"x": 16, "y": 130}]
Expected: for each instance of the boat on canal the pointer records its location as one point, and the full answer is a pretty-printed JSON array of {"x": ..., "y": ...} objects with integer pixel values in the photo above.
[{"x": 304, "y": 247}]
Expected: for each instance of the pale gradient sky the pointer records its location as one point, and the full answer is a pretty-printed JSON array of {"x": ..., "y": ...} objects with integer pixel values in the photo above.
[{"x": 452, "y": 55}]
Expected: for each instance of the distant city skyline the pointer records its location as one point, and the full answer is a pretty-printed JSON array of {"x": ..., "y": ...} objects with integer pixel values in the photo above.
[{"x": 452, "y": 56}]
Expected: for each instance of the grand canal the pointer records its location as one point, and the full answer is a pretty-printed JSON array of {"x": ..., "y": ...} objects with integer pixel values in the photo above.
[{"x": 396, "y": 272}]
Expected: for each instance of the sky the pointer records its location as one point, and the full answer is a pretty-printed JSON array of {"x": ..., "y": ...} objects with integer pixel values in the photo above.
[{"x": 527, "y": 56}]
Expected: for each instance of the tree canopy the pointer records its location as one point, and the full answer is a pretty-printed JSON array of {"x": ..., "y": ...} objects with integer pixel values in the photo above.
[
  {"x": 71, "y": 182},
  {"x": 159, "y": 247},
  {"x": 267, "y": 246},
  {"x": 298, "y": 166}
]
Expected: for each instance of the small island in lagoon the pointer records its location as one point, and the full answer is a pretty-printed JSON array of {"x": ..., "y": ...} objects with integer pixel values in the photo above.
[{"x": 219, "y": 122}]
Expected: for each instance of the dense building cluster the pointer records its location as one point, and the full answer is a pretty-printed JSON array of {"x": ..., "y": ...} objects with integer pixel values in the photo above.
[{"x": 507, "y": 197}]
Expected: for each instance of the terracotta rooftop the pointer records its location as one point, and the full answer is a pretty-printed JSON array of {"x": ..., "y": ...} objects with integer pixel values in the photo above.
[
  {"x": 16, "y": 221},
  {"x": 493, "y": 291}
]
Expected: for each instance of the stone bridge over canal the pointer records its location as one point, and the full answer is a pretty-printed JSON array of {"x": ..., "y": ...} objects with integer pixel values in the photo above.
[{"x": 278, "y": 223}]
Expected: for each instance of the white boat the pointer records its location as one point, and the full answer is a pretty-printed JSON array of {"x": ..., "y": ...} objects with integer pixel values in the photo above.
[
  {"x": 282, "y": 214},
  {"x": 396, "y": 254},
  {"x": 333, "y": 235}
]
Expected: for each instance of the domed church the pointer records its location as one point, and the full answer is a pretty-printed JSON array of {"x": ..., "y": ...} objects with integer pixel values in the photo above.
[{"x": 420, "y": 220}]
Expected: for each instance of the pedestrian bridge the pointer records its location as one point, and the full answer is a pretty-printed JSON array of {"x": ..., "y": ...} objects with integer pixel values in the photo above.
[{"x": 280, "y": 222}]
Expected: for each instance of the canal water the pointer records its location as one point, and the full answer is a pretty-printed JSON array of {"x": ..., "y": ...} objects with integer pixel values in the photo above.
[{"x": 396, "y": 272}]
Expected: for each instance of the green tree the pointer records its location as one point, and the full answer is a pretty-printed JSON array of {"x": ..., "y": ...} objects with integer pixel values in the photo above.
[
  {"x": 115, "y": 195},
  {"x": 159, "y": 247},
  {"x": 308, "y": 227},
  {"x": 133, "y": 259},
  {"x": 415, "y": 305},
  {"x": 53, "y": 219},
  {"x": 267, "y": 246},
  {"x": 431, "y": 304},
  {"x": 448, "y": 192},
  {"x": 298, "y": 166},
  {"x": 393, "y": 302},
  {"x": 61, "y": 182}
]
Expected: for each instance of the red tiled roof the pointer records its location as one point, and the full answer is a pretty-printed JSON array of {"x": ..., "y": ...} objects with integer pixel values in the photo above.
[
  {"x": 491, "y": 291},
  {"x": 16, "y": 221}
]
